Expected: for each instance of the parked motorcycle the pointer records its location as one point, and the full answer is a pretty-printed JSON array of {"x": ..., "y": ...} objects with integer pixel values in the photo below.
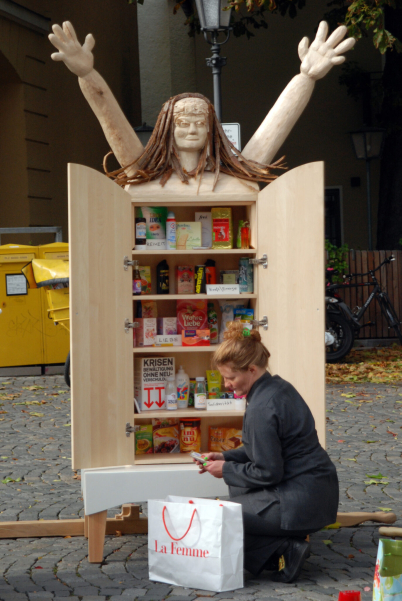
[{"x": 339, "y": 334}]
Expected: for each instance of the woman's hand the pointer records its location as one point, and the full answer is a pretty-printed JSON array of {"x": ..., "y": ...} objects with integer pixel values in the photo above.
[
  {"x": 79, "y": 59},
  {"x": 215, "y": 468},
  {"x": 209, "y": 457}
]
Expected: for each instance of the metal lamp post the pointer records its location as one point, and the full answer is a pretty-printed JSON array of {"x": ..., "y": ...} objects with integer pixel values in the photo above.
[
  {"x": 214, "y": 20},
  {"x": 367, "y": 144}
]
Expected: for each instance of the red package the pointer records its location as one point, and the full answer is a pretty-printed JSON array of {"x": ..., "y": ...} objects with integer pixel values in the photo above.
[
  {"x": 191, "y": 315},
  {"x": 195, "y": 338}
]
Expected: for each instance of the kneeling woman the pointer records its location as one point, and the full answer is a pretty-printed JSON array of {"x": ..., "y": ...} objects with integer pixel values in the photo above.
[{"x": 283, "y": 478}]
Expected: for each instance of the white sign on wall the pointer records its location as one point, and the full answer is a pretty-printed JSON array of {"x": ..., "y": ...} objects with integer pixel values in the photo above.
[
  {"x": 232, "y": 131},
  {"x": 16, "y": 284}
]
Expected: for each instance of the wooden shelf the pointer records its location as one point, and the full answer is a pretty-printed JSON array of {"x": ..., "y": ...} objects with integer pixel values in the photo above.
[
  {"x": 163, "y": 458},
  {"x": 175, "y": 349},
  {"x": 191, "y": 296},
  {"x": 215, "y": 251},
  {"x": 190, "y": 412},
  {"x": 166, "y": 200}
]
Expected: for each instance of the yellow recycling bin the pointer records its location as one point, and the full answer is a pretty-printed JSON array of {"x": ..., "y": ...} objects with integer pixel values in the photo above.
[
  {"x": 21, "y": 317},
  {"x": 56, "y": 339}
]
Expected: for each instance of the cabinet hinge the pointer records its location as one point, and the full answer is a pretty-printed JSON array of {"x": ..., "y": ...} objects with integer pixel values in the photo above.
[
  {"x": 128, "y": 324},
  {"x": 129, "y": 429},
  {"x": 127, "y": 263},
  {"x": 263, "y": 323},
  {"x": 263, "y": 261}
]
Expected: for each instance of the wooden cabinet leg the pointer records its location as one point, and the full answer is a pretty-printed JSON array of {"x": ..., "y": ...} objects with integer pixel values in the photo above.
[{"x": 96, "y": 536}]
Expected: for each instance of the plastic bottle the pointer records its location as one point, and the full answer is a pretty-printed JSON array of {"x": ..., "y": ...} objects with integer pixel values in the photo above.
[
  {"x": 200, "y": 394},
  {"x": 162, "y": 277},
  {"x": 183, "y": 387},
  {"x": 213, "y": 323},
  {"x": 136, "y": 278},
  {"x": 171, "y": 231},
  {"x": 140, "y": 233},
  {"x": 171, "y": 394},
  {"x": 210, "y": 272}
]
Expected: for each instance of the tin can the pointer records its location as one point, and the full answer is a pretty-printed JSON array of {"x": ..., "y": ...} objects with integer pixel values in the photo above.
[
  {"x": 200, "y": 279},
  {"x": 246, "y": 276},
  {"x": 190, "y": 435}
]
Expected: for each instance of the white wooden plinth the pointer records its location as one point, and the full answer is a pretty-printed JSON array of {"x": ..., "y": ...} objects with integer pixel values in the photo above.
[{"x": 104, "y": 488}]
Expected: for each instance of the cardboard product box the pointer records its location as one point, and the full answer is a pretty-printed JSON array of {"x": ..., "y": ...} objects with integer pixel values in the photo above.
[
  {"x": 195, "y": 337},
  {"x": 224, "y": 439},
  {"x": 145, "y": 273},
  {"x": 167, "y": 326},
  {"x": 206, "y": 227},
  {"x": 191, "y": 315},
  {"x": 188, "y": 235},
  {"x": 146, "y": 332},
  {"x": 150, "y": 375},
  {"x": 185, "y": 283}
]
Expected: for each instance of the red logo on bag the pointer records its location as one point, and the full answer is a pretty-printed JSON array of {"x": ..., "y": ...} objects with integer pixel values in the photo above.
[{"x": 174, "y": 549}]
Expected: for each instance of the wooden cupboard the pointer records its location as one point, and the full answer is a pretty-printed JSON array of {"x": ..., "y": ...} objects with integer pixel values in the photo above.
[{"x": 287, "y": 225}]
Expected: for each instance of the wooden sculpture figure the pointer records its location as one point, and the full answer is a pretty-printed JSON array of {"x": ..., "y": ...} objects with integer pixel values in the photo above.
[{"x": 188, "y": 145}]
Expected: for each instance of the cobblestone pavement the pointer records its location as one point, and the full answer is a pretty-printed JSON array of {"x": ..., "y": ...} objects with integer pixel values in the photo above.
[{"x": 363, "y": 441}]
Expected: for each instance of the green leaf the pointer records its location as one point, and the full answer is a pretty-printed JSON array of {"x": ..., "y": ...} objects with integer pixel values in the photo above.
[
  {"x": 386, "y": 509},
  {"x": 36, "y": 414},
  {"x": 327, "y": 542},
  {"x": 66, "y": 425},
  {"x": 378, "y": 476},
  {"x": 8, "y": 479},
  {"x": 376, "y": 482}
]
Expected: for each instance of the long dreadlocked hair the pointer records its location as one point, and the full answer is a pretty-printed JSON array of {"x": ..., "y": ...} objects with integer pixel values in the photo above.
[{"x": 160, "y": 157}]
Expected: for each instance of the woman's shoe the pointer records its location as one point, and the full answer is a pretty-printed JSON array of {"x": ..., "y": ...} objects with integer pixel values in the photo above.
[{"x": 294, "y": 557}]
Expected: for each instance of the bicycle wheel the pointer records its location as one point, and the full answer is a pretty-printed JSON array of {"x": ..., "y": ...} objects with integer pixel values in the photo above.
[
  {"x": 343, "y": 335},
  {"x": 390, "y": 315},
  {"x": 67, "y": 371}
]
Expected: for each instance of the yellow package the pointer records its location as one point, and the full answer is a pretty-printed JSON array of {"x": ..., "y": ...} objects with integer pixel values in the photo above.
[
  {"x": 166, "y": 435},
  {"x": 222, "y": 227},
  {"x": 143, "y": 439},
  {"x": 214, "y": 381},
  {"x": 224, "y": 439}
]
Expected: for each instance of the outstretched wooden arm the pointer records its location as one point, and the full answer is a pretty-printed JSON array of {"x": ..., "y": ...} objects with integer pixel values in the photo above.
[
  {"x": 317, "y": 60},
  {"x": 121, "y": 137},
  {"x": 79, "y": 59}
]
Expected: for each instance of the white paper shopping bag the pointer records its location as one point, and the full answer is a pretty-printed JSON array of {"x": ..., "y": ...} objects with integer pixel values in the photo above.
[{"x": 196, "y": 543}]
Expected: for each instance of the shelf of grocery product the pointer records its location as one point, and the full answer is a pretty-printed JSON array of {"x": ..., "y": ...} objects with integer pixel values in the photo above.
[
  {"x": 155, "y": 458},
  {"x": 189, "y": 412},
  {"x": 175, "y": 349},
  {"x": 213, "y": 251},
  {"x": 192, "y": 296}
]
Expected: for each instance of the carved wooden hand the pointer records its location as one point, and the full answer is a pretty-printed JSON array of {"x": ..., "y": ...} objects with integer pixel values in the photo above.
[
  {"x": 79, "y": 59},
  {"x": 317, "y": 60},
  {"x": 323, "y": 54}
]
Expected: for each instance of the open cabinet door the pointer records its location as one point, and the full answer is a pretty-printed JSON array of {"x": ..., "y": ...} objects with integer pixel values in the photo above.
[
  {"x": 291, "y": 290},
  {"x": 102, "y": 387}
]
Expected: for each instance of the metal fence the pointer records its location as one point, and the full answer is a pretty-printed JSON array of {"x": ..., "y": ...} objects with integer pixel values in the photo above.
[{"x": 390, "y": 279}]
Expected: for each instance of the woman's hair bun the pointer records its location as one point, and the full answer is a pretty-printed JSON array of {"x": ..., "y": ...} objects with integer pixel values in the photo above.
[{"x": 234, "y": 331}]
